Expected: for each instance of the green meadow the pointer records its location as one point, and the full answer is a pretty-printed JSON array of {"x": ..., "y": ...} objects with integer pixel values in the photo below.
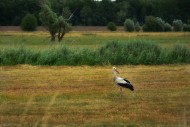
[
  {"x": 95, "y": 48},
  {"x": 41, "y": 40}
]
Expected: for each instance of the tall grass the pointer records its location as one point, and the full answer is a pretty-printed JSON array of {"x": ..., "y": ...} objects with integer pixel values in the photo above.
[
  {"x": 115, "y": 53},
  {"x": 18, "y": 55}
]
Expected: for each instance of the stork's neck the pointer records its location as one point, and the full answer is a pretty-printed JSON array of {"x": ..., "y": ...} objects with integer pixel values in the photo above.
[{"x": 115, "y": 74}]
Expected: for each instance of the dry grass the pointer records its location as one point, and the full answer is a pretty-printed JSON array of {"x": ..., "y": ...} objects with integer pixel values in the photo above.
[
  {"x": 86, "y": 96},
  {"x": 96, "y": 33}
]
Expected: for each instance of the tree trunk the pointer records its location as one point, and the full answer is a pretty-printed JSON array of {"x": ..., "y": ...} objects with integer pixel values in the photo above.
[
  {"x": 52, "y": 38},
  {"x": 60, "y": 36}
]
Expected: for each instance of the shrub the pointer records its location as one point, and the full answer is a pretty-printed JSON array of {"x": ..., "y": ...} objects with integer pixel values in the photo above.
[
  {"x": 180, "y": 54},
  {"x": 129, "y": 25},
  {"x": 137, "y": 52},
  {"x": 111, "y": 26},
  {"x": 137, "y": 27},
  {"x": 177, "y": 25},
  {"x": 153, "y": 24},
  {"x": 186, "y": 27},
  {"x": 142, "y": 52},
  {"x": 29, "y": 23},
  {"x": 159, "y": 24},
  {"x": 18, "y": 55},
  {"x": 167, "y": 27},
  {"x": 188, "y": 21},
  {"x": 149, "y": 24}
]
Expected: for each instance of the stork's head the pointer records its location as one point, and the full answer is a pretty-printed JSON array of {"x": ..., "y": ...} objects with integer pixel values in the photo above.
[{"x": 115, "y": 70}]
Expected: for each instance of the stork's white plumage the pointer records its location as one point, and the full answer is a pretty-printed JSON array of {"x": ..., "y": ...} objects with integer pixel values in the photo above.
[{"x": 122, "y": 82}]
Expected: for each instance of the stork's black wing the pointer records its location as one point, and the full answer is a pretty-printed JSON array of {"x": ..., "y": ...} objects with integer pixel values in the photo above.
[
  {"x": 126, "y": 85},
  {"x": 127, "y": 80}
]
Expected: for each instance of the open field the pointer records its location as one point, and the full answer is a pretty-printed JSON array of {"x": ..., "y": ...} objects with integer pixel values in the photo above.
[
  {"x": 89, "y": 39},
  {"x": 86, "y": 96}
]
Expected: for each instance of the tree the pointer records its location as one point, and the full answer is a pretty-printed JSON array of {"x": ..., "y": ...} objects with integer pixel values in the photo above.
[
  {"x": 129, "y": 25},
  {"x": 29, "y": 23},
  {"x": 167, "y": 27},
  {"x": 159, "y": 24},
  {"x": 177, "y": 25},
  {"x": 86, "y": 13},
  {"x": 121, "y": 15},
  {"x": 63, "y": 28},
  {"x": 106, "y": 11},
  {"x": 111, "y": 26},
  {"x": 137, "y": 27},
  {"x": 49, "y": 20},
  {"x": 122, "y": 12},
  {"x": 54, "y": 24}
]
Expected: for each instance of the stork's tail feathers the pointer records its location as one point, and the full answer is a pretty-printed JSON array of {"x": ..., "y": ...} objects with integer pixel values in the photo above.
[{"x": 130, "y": 87}]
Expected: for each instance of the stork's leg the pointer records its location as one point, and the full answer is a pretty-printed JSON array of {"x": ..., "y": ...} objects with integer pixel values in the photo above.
[{"x": 121, "y": 91}]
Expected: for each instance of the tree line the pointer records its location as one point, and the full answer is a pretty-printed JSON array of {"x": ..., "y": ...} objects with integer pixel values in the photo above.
[{"x": 90, "y": 12}]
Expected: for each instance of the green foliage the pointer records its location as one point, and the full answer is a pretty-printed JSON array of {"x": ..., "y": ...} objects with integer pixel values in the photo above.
[
  {"x": 186, "y": 27},
  {"x": 129, "y": 25},
  {"x": 115, "y": 53},
  {"x": 149, "y": 24},
  {"x": 48, "y": 17},
  {"x": 49, "y": 20},
  {"x": 19, "y": 55},
  {"x": 177, "y": 25},
  {"x": 111, "y": 26},
  {"x": 180, "y": 54},
  {"x": 63, "y": 27},
  {"x": 167, "y": 27},
  {"x": 29, "y": 23},
  {"x": 54, "y": 24},
  {"x": 153, "y": 24},
  {"x": 91, "y": 12},
  {"x": 188, "y": 21},
  {"x": 121, "y": 16},
  {"x": 137, "y": 27},
  {"x": 86, "y": 14},
  {"x": 159, "y": 24}
]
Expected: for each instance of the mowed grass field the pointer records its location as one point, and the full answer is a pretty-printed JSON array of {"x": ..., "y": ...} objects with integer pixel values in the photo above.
[{"x": 35, "y": 96}]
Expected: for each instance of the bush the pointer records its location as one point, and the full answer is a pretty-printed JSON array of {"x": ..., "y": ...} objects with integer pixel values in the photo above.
[
  {"x": 137, "y": 27},
  {"x": 180, "y": 54},
  {"x": 149, "y": 24},
  {"x": 186, "y": 27},
  {"x": 29, "y": 23},
  {"x": 167, "y": 27},
  {"x": 111, "y": 26},
  {"x": 159, "y": 24},
  {"x": 153, "y": 24},
  {"x": 18, "y": 55},
  {"x": 177, "y": 25},
  {"x": 129, "y": 25},
  {"x": 188, "y": 21}
]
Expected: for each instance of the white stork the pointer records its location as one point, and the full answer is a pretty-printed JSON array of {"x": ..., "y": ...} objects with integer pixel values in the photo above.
[{"x": 122, "y": 82}]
